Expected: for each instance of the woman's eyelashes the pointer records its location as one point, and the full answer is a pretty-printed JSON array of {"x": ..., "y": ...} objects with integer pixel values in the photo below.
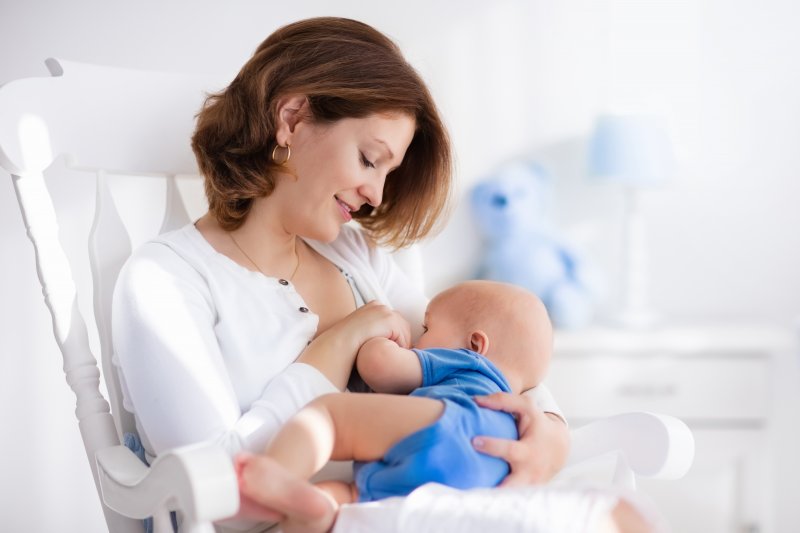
[{"x": 366, "y": 162}]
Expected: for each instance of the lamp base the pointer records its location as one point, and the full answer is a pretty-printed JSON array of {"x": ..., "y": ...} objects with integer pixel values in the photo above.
[{"x": 635, "y": 312}]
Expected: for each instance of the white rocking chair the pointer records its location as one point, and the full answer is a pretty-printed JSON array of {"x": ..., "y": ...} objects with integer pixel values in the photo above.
[{"x": 117, "y": 123}]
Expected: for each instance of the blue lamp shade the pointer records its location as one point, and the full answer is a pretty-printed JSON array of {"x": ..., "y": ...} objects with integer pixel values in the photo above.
[{"x": 630, "y": 149}]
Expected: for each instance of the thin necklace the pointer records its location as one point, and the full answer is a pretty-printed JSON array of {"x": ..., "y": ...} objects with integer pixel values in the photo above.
[{"x": 296, "y": 254}]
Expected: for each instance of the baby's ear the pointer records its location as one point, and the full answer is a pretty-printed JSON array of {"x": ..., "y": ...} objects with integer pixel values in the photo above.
[{"x": 479, "y": 342}]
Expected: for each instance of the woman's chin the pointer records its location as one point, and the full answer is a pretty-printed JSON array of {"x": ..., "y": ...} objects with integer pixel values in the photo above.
[{"x": 325, "y": 235}]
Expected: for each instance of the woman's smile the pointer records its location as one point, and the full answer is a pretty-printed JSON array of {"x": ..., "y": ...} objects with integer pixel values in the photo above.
[{"x": 345, "y": 210}]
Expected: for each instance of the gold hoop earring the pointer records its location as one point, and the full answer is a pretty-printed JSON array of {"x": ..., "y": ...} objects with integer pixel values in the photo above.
[{"x": 288, "y": 154}]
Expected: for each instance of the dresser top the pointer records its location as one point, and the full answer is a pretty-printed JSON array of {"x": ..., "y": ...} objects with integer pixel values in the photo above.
[{"x": 732, "y": 337}]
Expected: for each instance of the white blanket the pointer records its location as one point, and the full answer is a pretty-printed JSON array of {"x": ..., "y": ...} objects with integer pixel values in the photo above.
[{"x": 436, "y": 508}]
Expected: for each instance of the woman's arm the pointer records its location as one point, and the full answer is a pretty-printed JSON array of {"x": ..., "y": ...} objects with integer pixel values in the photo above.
[
  {"x": 207, "y": 356},
  {"x": 388, "y": 368},
  {"x": 543, "y": 444},
  {"x": 171, "y": 366},
  {"x": 334, "y": 351}
]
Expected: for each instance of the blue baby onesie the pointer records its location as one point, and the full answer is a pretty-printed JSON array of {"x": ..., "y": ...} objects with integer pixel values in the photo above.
[{"x": 443, "y": 452}]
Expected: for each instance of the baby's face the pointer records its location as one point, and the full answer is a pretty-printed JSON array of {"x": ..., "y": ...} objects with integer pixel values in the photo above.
[{"x": 440, "y": 330}]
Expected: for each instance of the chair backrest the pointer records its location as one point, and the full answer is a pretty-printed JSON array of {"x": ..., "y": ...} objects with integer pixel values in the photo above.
[{"x": 132, "y": 130}]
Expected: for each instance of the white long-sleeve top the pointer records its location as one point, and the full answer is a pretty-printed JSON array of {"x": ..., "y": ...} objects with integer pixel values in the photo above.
[{"x": 206, "y": 348}]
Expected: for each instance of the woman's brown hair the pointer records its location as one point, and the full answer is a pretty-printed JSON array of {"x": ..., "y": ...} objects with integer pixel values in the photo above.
[{"x": 345, "y": 69}]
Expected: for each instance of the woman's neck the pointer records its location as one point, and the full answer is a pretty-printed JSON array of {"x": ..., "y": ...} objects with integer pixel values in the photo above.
[{"x": 261, "y": 243}]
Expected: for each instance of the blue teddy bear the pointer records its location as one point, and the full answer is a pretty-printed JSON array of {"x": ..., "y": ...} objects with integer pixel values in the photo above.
[{"x": 510, "y": 208}]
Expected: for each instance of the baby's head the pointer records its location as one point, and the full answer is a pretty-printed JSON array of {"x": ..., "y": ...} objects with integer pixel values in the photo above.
[{"x": 505, "y": 323}]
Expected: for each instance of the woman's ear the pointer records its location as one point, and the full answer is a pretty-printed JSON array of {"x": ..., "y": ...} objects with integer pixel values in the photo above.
[
  {"x": 291, "y": 110},
  {"x": 479, "y": 342}
]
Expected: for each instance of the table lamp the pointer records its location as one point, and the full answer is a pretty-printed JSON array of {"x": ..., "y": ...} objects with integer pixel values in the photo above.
[{"x": 633, "y": 151}]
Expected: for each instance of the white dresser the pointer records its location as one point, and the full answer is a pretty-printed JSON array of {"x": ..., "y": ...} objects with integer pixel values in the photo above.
[{"x": 720, "y": 379}]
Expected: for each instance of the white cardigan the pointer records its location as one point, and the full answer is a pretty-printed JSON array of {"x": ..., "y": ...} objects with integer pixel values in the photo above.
[{"x": 206, "y": 348}]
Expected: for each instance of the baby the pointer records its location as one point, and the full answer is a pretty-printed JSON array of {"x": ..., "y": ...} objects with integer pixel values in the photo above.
[{"x": 479, "y": 338}]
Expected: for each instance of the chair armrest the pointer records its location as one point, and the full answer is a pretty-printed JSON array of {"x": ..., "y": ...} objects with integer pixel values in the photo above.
[
  {"x": 651, "y": 445},
  {"x": 199, "y": 481}
]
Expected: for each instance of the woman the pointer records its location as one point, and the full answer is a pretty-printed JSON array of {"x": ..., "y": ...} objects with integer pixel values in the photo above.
[{"x": 225, "y": 328}]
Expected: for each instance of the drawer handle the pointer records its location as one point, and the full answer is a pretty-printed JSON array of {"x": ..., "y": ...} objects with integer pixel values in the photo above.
[{"x": 646, "y": 390}]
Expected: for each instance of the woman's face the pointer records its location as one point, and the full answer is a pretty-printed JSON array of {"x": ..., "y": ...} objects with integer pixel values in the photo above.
[{"x": 337, "y": 169}]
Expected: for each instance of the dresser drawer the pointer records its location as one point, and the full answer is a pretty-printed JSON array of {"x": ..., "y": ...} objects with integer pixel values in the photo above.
[{"x": 704, "y": 390}]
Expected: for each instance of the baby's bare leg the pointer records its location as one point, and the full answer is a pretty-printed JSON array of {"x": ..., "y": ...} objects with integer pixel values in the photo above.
[
  {"x": 340, "y": 491},
  {"x": 340, "y": 426},
  {"x": 349, "y": 426}
]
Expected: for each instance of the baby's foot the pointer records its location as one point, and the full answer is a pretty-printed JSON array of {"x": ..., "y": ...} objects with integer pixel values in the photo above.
[
  {"x": 266, "y": 482},
  {"x": 626, "y": 519},
  {"x": 313, "y": 524}
]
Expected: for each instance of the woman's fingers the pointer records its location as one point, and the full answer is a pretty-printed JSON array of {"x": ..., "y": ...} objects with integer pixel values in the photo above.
[
  {"x": 384, "y": 322},
  {"x": 542, "y": 446},
  {"x": 403, "y": 332},
  {"x": 520, "y": 456},
  {"x": 333, "y": 352},
  {"x": 522, "y": 407},
  {"x": 516, "y": 404},
  {"x": 509, "y": 450}
]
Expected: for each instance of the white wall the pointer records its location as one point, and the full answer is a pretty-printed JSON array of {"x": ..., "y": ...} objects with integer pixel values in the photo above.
[{"x": 512, "y": 78}]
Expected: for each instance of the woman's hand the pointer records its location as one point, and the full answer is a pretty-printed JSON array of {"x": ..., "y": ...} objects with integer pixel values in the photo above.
[
  {"x": 333, "y": 352},
  {"x": 543, "y": 444},
  {"x": 375, "y": 320}
]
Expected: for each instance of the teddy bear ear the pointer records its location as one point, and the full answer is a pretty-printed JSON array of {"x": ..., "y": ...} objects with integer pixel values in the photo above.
[
  {"x": 481, "y": 193},
  {"x": 477, "y": 192}
]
